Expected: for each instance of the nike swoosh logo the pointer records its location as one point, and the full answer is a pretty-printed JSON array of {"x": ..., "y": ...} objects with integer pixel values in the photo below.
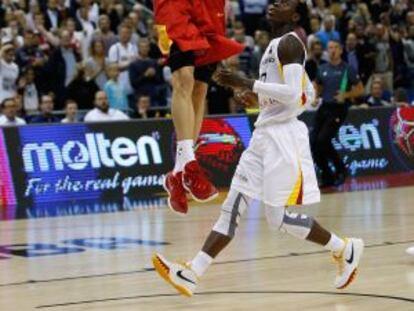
[
  {"x": 180, "y": 275},
  {"x": 351, "y": 259}
]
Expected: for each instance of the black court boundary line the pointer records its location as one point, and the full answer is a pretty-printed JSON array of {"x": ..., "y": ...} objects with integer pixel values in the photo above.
[
  {"x": 245, "y": 219},
  {"x": 145, "y": 270},
  {"x": 259, "y": 292}
]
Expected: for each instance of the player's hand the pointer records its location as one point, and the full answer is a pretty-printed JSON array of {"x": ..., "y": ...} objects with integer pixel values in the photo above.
[
  {"x": 340, "y": 97},
  {"x": 227, "y": 78},
  {"x": 245, "y": 97}
]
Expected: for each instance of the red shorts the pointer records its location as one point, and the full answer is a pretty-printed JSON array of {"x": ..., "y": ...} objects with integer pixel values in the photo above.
[{"x": 195, "y": 25}]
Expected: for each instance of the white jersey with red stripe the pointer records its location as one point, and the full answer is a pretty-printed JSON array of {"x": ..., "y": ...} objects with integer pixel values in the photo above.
[{"x": 273, "y": 109}]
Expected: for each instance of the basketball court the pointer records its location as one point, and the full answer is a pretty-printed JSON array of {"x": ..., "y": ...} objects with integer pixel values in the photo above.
[{"x": 103, "y": 261}]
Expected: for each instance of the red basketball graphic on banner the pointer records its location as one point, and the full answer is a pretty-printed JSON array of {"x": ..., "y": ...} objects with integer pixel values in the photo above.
[{"x": 402, "y": 132}]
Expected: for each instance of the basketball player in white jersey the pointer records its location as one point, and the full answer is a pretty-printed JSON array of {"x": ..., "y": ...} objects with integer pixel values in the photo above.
[{"x": 277, "y": 167}]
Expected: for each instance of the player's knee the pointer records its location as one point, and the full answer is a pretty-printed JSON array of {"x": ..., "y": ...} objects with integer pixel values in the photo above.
[
  {"x": 297, "y": 225},
  {"x": 232, "y": 210},
  {"x": 183, "y": 80},
  {"x": 274, "y": 216}
]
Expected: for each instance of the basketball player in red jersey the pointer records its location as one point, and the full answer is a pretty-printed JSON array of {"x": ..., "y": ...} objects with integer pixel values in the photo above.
[{"x": 192, "y": 33}]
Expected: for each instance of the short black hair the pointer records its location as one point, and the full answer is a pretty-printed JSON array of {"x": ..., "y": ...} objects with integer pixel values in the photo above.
[
  {"x": 336, "y": 41},
  {"x": 70, "y": 101},
  {"x": 3, "y": 103}
]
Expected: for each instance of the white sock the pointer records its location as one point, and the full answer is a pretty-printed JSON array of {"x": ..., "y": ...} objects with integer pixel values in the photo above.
[
  {"x": 335, "y": 244},
  {"x": 185, "y": 154},
  {"x": 200, "y": 263}
]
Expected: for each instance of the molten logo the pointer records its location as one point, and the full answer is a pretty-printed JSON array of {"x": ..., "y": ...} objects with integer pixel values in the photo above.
[
  {"x": 96, "y": 151},
  {"x": 366, "y": 137}
]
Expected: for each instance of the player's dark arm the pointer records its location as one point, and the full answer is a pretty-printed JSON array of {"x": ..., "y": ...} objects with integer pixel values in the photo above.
[{"x": 355, "y": 92}]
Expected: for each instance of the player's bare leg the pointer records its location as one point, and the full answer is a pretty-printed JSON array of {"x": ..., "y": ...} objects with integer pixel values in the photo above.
[
  {"x": 182, "y": 109},
  {"x": 183, "y": 118},
  {"x": 199, "y": 105},
  {"x": 187, "y": 112}
]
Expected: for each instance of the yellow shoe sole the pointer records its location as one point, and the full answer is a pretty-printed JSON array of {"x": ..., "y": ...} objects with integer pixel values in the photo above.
[{"x": 164, "y": 271}]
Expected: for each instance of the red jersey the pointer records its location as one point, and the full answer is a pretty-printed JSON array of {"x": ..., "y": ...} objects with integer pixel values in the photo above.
[{"x": 195, "y": 25}]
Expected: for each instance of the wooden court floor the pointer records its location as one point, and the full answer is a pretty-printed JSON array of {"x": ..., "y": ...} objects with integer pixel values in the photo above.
[{"x": 102, "y": 261}]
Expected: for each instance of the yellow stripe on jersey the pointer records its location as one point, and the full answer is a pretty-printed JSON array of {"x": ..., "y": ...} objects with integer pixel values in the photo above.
[
  {"x": 280, "y": 67},
  {"x": 302, "y": 100},
  {"x": 296, "y": 195},
  {"x": 164, "y": 41}
]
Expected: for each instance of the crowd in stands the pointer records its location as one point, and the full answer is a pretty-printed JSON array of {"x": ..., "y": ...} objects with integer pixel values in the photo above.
[{"x": 101, "y": 57}]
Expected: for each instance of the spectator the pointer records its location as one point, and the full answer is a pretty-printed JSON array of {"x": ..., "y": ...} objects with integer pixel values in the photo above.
[
  {"x": 351, "y": 54},
  {"x": 62, "y": 67},
  {"x": 252, "y": 12},
  {"x": 115, "y": 90},
  {"x": 95, "y": 66},
  {"x": 9, "y": 113},
  {"x": 53, "y": 15},
  {"x": 44, "y": 39},
  {"x": 145, "y": 74},
  {"x": 87, "y": 27},
  {"x": 34, "y": 9},
  {"x": 77, "y": 36},
  {"x": 139, "y": 25},
  {"x": 123, "y": 53},
  {"x": 245, "y": 56},
  {"x": 46, "y": 111},
  {"x": 314, "y": 60},
  {"x": 400, "y": 98},
  {"x": 262, "y": 41},
  {"x": 11, "y": 33},
  {"x": 328, "y": 33},
  {"x": 9, "y": 72},
  {"x": 410, "y": 19},
  {"x": 367, "y": 48},
  {"x": 114, "y": 12},
  {"x": 102, "y": 112},
  {"x": 338, "y": 85},
  {"x": 28, "y": 90},
  {"x": 383, "y": 61},
  {"x": 105, "y": 33},
  {"x": 71, "y": 112},
  {"x": 220, "y": 99},
  {"x": 315, "y": 25},
  {"x": 143, "y": 108},
  {"x": 82, "y": 90},
  {"x": 409, "y": 56},
  {"x": 376, "y": 98},
  {"x": 30, "y": 54},
  {"x": 320, "y": 8},
  {"x": 130, "y": 23}
]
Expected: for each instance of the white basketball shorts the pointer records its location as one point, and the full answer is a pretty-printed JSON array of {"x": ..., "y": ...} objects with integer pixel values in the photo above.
[{"x": 277, "y": 167}]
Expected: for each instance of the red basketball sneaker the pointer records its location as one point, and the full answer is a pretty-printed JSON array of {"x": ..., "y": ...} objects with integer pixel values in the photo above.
[
  {"x": 177, "y": 197},
  {"x": 195, "y": 182}
]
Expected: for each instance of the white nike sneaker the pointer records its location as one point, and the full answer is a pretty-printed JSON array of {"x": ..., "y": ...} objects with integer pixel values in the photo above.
[
  {"x": 347, "y": 262},
  {"x": 410, "y": 251},
  {"x": 180, "y": 276}
]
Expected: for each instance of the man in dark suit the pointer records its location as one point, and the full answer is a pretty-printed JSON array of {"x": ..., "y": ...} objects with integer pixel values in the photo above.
[
  {"x": 61, "y": 68},
  {"x": 53, "y": 17}
]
